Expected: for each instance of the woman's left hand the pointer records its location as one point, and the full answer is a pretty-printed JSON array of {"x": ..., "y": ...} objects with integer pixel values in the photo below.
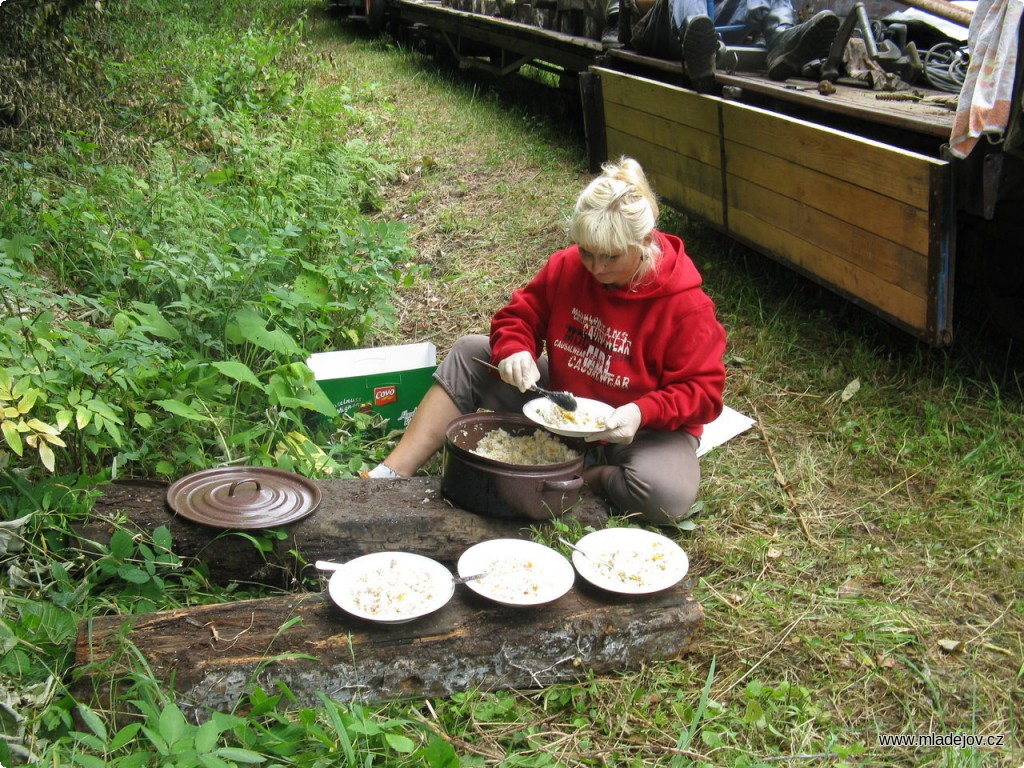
[{"x": 620, "y": 427}]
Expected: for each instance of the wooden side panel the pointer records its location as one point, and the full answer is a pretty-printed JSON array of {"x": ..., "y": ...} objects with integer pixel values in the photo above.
[
  {"x": 673, "y": 133},
  {"x": 854, "y": 214},
  {"x": 871, "y": 221}
]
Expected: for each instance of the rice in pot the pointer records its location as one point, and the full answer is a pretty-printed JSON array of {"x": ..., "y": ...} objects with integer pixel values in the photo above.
[{"x": 537, "y": 448}]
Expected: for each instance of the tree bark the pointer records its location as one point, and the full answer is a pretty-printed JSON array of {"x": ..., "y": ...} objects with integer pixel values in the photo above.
[
  {"x": 355, "y": 517},
  {"x": 214, "y": 654}
]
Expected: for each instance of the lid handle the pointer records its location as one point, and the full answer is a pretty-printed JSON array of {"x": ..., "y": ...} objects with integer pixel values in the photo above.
[{"x": 231, "y": 488}]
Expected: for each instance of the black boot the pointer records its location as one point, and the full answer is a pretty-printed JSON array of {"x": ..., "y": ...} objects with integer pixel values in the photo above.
[
  {"x": 610, "y": 36},
  {"x": 700, "y": 48},
  {"x": 789, "y": 48}
]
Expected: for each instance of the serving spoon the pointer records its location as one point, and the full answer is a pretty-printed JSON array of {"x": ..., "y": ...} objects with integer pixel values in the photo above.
[
  {"x": 563, "y": 400},
  {"x": 592, "y": 558}
]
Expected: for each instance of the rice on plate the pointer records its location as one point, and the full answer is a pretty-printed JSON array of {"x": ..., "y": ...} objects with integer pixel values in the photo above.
[
  {"x": 588, "y": 418},
  {"x": 391, "y": 587},
  {"x": 519, "y": 572},
  {"x": 630, "y": 560}
]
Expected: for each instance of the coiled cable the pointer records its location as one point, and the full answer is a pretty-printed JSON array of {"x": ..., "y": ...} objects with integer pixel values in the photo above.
[{"x": 945, "y": 66}]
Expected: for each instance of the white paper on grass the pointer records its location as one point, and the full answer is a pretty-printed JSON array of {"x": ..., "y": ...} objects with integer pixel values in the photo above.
[{"x": 729, "y": 424}]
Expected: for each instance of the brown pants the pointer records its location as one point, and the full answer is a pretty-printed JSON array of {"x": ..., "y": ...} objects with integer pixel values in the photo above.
[{"x": 657, "y": 475}]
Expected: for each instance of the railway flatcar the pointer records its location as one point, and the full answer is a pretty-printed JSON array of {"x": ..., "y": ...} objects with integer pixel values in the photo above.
[{"x": 849, "y": 181}]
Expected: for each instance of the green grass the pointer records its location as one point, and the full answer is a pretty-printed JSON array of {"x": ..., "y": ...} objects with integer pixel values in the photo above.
[{"x": 859, "y": 552}]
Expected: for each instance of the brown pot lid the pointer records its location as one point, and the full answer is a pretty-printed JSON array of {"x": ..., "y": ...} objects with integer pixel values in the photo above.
[{"x": 243, "y": 497}]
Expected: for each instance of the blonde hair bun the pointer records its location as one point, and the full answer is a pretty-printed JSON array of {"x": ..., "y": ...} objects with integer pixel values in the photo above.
[{"x": 616, "y": 212}]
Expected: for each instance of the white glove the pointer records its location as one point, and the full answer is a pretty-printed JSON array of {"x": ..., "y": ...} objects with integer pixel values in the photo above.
[
  {"x": 620, "y": 427},
  {"x": 519, "y": 370}
]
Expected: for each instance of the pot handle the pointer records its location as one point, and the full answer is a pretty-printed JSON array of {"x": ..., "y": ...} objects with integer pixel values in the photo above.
[{"x": 564, "y": 485}]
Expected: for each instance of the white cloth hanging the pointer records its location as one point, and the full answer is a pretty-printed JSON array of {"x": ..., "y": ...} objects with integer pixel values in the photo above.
[{"x": 983, "y": 108}]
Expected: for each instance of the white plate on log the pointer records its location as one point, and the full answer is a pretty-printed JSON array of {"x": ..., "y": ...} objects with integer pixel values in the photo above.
[
  {"x": 519, "y": 572},
  {"x": 587, "y": 419},
  {"x": 391, "y": 587},
  {"x": 632, "y": 561}
]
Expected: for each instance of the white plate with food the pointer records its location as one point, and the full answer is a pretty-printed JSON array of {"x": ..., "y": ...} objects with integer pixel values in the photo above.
[
  {"x": 633, "y": 561},
  {"x": 519, "y": 572},
  {"x": 587, "y": 419},
  {"x": 391, "y": 587}
]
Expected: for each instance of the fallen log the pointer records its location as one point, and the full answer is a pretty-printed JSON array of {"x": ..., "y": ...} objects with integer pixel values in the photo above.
[
  {"x": 214, "y": 654},
  {"x": 355, "y": 517}
]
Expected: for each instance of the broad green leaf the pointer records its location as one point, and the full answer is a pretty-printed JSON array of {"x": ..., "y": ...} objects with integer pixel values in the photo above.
[
  {"x": 155, "y": 322},
  {"x": 219, "y": 176},
  {"x": 82, "y": 417},
  {"x": 135, "y": 759},
  {"x": 312, "y": 287},
  {"x": 162, "y": 537},
  {"x": 132, "y": 574},
  {"x": 88, "y": 761},
  {"x": 46, "y": 456},
  {"x": 253, "y": 329},
  {"x": 440, "y": 754},
  {"x": 22, "y": 385},
  {"x": 63, "y": 419},
  {"x": 93, "y": 721},
  {"x": 12, "y": 437},
  {"x": 210, "y": 760},
  {"x": 172, "y": 724},
  {"x": 121, "y": 544},
  {"x": 184, "y": 410},
  {"x": 400, "y": 743},
  {"x": 28, "y": 401},
  {"x": 240, "y": 755},
  {"x": 206, "y": 737},
  {"x": 104, "y": 410},
  {"x": 42, "y": 427},
  {"x": 122, "y": 737},
  {"x": 238, "y": 371}
]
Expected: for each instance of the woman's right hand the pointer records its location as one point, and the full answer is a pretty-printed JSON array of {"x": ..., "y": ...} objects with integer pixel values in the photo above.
[{"x": 520, "y": 370}]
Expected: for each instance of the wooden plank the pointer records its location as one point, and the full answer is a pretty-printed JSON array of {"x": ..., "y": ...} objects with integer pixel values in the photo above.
[
  {"x": 213, "y": 654},
  {"x": 681, "y": 181},
  {"x": 673, "y": 133},
  {"x": 830, "y": 194},
  {"x": 885, "y": 170},
  {"x": 836, "y": 238},
  {"x": 926, "y": 118},
  {"x": 871, "y": 221},
  {"x": 355, "y": 517},
  {"x": 910, "y": 310},
  {"x": 574, "y": 53},
  {"x": 683, "y": 139},
  {"x": 676, "y": 105}
]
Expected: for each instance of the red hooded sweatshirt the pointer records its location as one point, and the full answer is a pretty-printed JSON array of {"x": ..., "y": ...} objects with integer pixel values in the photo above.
[{"x": 659, "y": 346}]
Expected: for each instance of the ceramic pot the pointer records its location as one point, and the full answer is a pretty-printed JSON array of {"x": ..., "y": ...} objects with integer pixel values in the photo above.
[{"x": 498, "y": 489}]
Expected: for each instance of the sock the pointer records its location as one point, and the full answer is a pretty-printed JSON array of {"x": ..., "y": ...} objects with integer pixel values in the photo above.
[{"x": 382, "y": 470}]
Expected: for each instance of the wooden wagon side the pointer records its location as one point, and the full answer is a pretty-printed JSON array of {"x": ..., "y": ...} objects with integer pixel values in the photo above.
[{"x": 874, "y": 222}]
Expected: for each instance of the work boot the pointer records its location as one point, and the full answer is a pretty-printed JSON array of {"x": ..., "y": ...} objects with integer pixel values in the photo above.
[
  {"x": 610, "y": 36},
  {"x": 788, "y": 49},
  {"x": 700, "y": 49}
]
